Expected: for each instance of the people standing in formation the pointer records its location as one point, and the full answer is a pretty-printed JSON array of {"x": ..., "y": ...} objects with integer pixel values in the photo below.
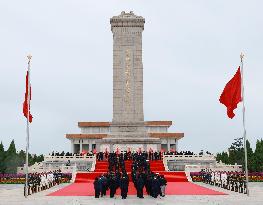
[
  {"x": 233, "y": 181},
  {"x": 117, "y": 177},
  {"x": 143, "y": 177},
  {"x": 42, "y": 181}
]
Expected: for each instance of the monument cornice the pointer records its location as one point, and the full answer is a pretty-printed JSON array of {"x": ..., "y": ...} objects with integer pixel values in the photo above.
[
  {"x": 93, "y": 124},
  {"x": 127, "y": 20},
  {"x": 107, "y": 124},
  {"x": 86, "y": 136},
  {"x": 100, "y": 136}
]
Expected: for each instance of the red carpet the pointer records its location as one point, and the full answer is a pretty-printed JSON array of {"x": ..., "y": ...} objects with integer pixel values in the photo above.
[
  {"x": 170, "y": 176},
  {"x": 177, "y": 182},
  {"x": 156, "y": 166},
  {"x": 173, "y": 188}
]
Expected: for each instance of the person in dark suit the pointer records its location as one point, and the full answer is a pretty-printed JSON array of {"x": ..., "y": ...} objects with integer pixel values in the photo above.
[
  {"x": 112, "y": 186},
  {"x": 155, "y": 187},
  {"x": 96, "y": 187},
  {"x": 103, "y": 185},
  {"x": 140, "y": 185},
  {"x": 124, "y": 184}
]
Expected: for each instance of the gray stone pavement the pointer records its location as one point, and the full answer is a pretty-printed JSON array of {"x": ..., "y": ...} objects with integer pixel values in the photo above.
[{"x": 13, "y": 195}]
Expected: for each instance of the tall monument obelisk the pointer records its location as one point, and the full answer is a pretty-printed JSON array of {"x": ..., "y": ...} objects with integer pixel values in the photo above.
[{"x": 127, "y": 129}]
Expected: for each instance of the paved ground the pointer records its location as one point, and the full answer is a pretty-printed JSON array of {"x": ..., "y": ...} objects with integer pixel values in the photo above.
[{"x": 13, "y": 195}]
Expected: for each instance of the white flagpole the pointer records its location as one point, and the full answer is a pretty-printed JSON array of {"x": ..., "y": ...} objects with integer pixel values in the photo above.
[
  {"x": 244, "y": 127},
  {"x": 27, "y": 122}
]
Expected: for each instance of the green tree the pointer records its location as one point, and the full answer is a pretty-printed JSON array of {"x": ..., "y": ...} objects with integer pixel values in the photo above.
[
  {"x": 236, "y": 152},
  {"x": 250, "y": 157},
  {"x": 40, "y": 158},
  {"x": 237, "y": 155},
  {"x": 2, "y": 158},
  {"x": 223, "y": 157},
  {"x": 22, "y": 158},
  {"x": 12, "y": 148},
  {"x": 11, "y": 159},
  {"x": 258, "y": 156}
]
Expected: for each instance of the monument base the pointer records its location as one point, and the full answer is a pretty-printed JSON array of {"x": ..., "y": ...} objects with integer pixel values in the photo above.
[{"x": 111, "y": 144}]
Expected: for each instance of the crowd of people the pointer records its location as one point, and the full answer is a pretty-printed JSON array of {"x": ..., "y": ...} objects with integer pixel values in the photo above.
[
  {"x": 143, "y": 177},
  {"x": 150, "y": 155},
  {"x": 117, "y": 176},
  {"x": 128, "y": 155},
  {"x": 71, "y": 154},
  {"x": 233, "y": 181},
  {"x": 41, "y": 181},
  {"x": 111, "y": 181},
  {"x": 178, "y": 153},
  {"x": 171, "y": 152}
]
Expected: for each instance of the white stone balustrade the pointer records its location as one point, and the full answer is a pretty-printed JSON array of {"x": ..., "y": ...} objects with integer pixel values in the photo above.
[
  {"x": 50, "y": 158},
  {"x": 188, "y": 157},
  {"x": 193, "y": 159},
  {"x": 52, "y": 163},
  {"x": 217, "y": 167}
]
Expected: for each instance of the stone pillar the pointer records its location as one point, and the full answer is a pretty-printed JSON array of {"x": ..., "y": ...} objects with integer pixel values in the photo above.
[
  {"x": 80, "y": 146},
  {"x": 159, "y": 147},
  {"x": 145, "y": 147},
  {"x": 128, "y": 126},
  {"x": 176, "y": 145},
  {"x": 111, "y": 147},
  {"x": 90, "y": 146},
  {"x": 72, "y": 146},
  {"x": 168, "y": 145},
  {"x": 127, "y": 31}
]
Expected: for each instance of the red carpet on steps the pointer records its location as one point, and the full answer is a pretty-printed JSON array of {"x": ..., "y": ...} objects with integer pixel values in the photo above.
[
  {"x": 173, "y": 188},
  {"x": 170, "y": 176},
  {"x": 156, "y": 166},
  {"x": 177, "y": 182}
]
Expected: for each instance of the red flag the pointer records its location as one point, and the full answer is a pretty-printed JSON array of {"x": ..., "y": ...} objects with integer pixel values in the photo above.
[
  {"x": 25, "y": 105},
  {"x": 231, "y": 94}
]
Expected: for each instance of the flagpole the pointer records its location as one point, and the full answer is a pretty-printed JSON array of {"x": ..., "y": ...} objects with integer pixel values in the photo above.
[
  {"x": 244, "y": 122},
  {"x": 27, "y": 122}
]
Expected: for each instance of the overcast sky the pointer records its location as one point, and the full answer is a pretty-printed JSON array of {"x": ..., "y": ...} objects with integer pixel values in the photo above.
[{"x": 190, "y": 51}]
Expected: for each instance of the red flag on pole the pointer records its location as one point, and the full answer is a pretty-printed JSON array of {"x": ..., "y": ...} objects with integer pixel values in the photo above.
[
  {"x": 231, "y": 94},
  {"x": 26, "y": 107}
]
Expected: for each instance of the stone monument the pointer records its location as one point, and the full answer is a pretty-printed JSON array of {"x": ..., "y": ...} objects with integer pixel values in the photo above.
[{"x": 127, "y": 128}]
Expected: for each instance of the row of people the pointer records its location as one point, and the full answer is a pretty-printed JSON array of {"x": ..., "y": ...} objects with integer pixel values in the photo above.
[
  {"x": 178, "y": 153},
  {"x": 111, "y": 181},
  {"x": 186, "y": 153},
  {"x": 128, "y": 155},
  {"x": 234, "y": 181},
  {"x": 42, "y": 181},
  {"x": 71, "y": 154},
  {"x": 151, "y": 155}
]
